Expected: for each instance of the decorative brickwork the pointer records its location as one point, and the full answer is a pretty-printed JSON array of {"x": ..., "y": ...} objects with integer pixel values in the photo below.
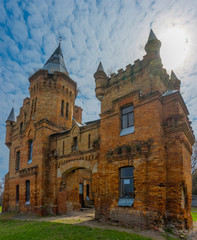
[{"x": 133, "y": 164}]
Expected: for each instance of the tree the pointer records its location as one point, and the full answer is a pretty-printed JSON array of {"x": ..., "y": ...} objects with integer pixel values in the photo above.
[
  {"x": 1, "y": 191},
  {"x": 194, "y": 158}
]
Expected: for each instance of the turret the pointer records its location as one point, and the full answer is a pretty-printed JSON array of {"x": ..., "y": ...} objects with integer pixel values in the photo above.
[
  {"x": 153, "y": 45},
  {"x": 53, "y": 92},
  {"x": 78, "y": 114},
  {"x": 101, "y": 82},
  {"x": 175, "y": 81},
  {"x": 9, "y": 127}
]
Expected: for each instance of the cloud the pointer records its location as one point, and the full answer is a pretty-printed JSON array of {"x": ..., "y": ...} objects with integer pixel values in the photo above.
[{"x": 113, "y": 32}]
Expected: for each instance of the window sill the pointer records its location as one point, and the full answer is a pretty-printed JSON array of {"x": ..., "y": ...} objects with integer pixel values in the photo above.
[
  {"x": 29, "y": 161},
  {"x": 125, "y": 202},
  {"x": 27, "y": 203},
  {"x": 126, "y": 131}
]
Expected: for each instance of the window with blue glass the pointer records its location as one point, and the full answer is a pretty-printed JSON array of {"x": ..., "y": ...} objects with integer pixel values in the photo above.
[
  {"x": 27, "y": 193},
  {"x": 126, "y": 187},
  {"x": 30, "y": 151},
  {"x": 127, "y": 120}
]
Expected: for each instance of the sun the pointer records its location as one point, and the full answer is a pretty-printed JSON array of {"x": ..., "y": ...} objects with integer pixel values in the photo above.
[{"x": 175, "y": 46}]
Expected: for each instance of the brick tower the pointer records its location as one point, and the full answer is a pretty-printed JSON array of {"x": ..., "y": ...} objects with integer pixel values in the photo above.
[
  {"x": 49, "y": 110},
  {"x": 145, "y": 145}
]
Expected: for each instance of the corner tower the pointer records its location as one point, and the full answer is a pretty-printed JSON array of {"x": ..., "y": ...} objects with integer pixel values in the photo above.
[
  {"x": 48, "y": 110},
  {"x": 9, "y": 128},
  {"x": 101, "y": 82},
  {"x": 53, "y": 92}
]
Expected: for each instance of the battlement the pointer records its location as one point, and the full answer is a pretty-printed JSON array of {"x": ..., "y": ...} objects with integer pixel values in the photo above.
[
  {"x": 42, "y": 79},
  {"x": 133, "y": 71}
]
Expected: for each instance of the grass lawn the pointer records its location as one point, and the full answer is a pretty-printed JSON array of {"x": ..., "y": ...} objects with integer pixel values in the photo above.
[
  {"x": 32, "y": 230},
  {"x": 194, "y": 214}
]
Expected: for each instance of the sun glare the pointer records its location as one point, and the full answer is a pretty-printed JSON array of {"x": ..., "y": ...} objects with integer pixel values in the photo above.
[{"x": 174, "y": 48}]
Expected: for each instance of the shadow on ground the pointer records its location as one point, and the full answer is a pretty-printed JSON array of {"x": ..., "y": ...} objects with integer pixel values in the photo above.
[{"x": 85, "y": 217}]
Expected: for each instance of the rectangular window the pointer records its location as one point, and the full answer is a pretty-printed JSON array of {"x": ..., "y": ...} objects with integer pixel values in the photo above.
[
  {"x": 17, "y": 160},
  {"x": 27, "y": 197},
  {"x": 35, "y": 105},
  {"x": 126, "y": 187},
  {"x": 75, "y": 144},
  {"x": 87, "y": 190},
  {"x": 89, "y": 141},
  {"x": 127, "y": 120},
  {"x": 63, "y": 148},
  {"x": 127, "y": 117},
  {"x": 67, "y": 106},
  {"x": 21, "y": 127},
  {"x": 62, "y": 108},
  {"x": 17, "y": 193},
  {"x": 30, "y": 151},
  {"x": 32, "y": 107}
]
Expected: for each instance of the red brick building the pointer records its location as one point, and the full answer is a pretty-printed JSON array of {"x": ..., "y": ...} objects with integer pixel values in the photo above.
[{"x": 133, "y": 164}]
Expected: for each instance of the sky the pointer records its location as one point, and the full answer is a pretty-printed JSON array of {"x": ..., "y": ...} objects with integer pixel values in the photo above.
[{"x": 112, "y": 31}]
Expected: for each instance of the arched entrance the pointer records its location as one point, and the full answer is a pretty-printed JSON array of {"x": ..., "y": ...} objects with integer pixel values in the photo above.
[{"x": 76, "y": 186}]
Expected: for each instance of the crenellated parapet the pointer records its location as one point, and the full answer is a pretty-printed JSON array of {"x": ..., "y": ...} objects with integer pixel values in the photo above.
[
  {"x": 58, "y": 81},
  {"x": 146, "y": 75}
]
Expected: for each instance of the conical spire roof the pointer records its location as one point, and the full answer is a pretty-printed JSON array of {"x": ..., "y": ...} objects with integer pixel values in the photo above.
[
  {"x": 11, "y": 116},
  {"x": 56, "y": 62},
  {"x": 173, "y": 75},
  {"x": 153, "y": 44},
  {"x": 152, "y": 36},
  {"x": 100, "y": 67}
]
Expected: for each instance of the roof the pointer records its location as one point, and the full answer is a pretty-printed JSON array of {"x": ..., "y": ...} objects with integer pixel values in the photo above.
[
  {"x": 173, "y": 75},
  {"x": 100, "y": 67},
  {"x": 78, "y": 124},
  {"x": 90, "y": 122},
  {"x": 56, "y": 62},
  {"x": 169, "y": 92},
  {"x": 11, "y": 116},
  {"x": 151, "y": 36}
]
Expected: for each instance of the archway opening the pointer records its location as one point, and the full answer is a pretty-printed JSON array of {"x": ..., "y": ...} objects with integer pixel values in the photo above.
[{"x": 78, "y": 189}]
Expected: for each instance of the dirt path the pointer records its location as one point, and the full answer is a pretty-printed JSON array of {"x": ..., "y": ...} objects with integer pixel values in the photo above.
[
  {"x": 86, "y": 218},
  {"x": 193, "y": 234}
]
